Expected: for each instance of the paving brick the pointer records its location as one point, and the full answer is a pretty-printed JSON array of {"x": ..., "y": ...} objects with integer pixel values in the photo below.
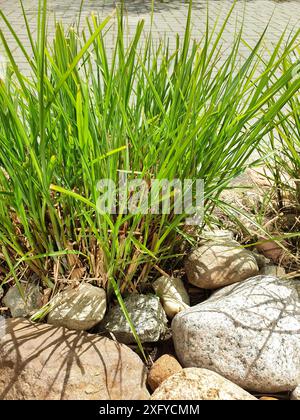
[{"x": 169, "y": 18}]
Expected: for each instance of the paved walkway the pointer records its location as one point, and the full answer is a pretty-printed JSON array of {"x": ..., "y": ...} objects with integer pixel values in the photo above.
[{"x": 169, "y": 18}]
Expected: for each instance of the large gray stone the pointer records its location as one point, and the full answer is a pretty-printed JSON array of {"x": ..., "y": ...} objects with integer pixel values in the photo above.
[
  {"x": 199, "y": 384},
  {"x": 18, "y": 306},
  {"x": 44, "y": 362},
  {"x": 219, "y": 262},
  {"x": 247, "y": 332},
  {"x": 147, "y": 315},
  {"x": 79, "y": 308}
]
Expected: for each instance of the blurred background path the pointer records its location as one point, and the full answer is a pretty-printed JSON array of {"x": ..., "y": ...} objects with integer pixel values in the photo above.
[{"x": 169, "y": 18}]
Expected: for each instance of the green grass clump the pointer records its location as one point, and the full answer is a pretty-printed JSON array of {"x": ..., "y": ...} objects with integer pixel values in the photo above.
[
  {"x": 147, "y": 110},
  {"x": 283, "y": 148}
]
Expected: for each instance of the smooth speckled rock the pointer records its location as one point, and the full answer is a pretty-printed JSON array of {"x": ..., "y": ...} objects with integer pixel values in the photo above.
[
  {"x": 219, "y": 263},
  {"x": 173, "y": 296},
  {"x": 147, "y": 315},
  {"x": 247, "y": 332},
  {"x": 44, "y": 362},
  {"x": 79, "y": 308},
  {"x": 199, "y": 384}
]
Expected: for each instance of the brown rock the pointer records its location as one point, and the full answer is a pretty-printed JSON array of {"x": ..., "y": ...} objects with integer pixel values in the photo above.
[
  {"x": 44, "y": 362},
  {"x": 271, "y": 250},
  {"x": 162, "y": 369}
]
